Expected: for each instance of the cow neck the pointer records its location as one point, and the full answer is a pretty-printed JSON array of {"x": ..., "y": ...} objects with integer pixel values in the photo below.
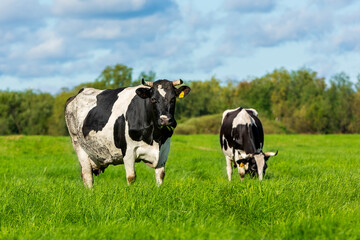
[{"x": 161, "y": 134}]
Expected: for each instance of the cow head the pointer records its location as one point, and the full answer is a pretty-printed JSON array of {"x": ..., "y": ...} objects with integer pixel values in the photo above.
[
  {"x": 162, "y": 95},
  {"x": 256, "y": 162}
]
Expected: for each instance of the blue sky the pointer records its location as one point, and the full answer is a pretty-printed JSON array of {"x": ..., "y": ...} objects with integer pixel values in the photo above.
[{"x": 50, "y": 44}]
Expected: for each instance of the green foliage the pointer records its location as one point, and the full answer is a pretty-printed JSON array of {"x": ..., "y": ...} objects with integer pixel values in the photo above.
[
  {"x": 25, "y": 112},
  {"x": 341, "y": 96},
  {"x": 114, "y": 77},
  {"x": 205, "y": 98},
  {"x": 210, "y": 124},
  {"x": 307, "y": 193}
]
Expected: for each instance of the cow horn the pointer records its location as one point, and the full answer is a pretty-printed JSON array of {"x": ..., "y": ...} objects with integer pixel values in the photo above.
[
  {"x": 271, "y": 154},
  {"x": 177, "y": 82},
  {"x": 146, "y": 83}
]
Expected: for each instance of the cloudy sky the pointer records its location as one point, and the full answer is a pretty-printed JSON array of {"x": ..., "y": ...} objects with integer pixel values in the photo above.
[{"x": 50, "y": 44}]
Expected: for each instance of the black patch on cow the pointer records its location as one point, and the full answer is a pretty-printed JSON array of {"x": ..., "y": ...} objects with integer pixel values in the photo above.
[
  {"x": 226, "y": 128},
  {"x": 140, "y": 118},
  {"x": 244, "y": 138},
  {"x": 161, "y": 135},
  {"x": 257, "y": 129},
  {"x": 100, "y": 114},
  {"x": 119, "y": 134},
  {"x": 225, "y": 144}
]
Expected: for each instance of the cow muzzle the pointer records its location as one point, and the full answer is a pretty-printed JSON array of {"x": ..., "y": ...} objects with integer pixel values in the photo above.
[
  {"x": 167, "y": 121},
  {"x": 164, "y": 120}
]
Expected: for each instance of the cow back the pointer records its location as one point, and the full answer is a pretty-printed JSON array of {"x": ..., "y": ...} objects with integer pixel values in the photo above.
[{"x": 241, "y": 130}]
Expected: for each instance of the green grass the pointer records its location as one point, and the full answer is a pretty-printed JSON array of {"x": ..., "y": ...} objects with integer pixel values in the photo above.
[{"x": 310, "y": 191}]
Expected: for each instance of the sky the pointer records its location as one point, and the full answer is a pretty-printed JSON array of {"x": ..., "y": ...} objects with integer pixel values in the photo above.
[{"x": 47, "y": 45}]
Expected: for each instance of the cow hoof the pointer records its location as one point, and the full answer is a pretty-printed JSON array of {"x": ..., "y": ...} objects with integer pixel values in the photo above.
[
  {"x": 159, "y": 182},
  {"x": 131, "y": 179}
]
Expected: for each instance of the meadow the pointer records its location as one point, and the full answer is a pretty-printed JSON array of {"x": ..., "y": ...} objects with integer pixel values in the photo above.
[{"x": 311, "y": 190}]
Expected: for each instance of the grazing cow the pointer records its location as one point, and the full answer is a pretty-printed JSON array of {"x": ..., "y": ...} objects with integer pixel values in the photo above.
[
  {"x": 242, "y": 140},
  {"x": 123, "y": 126}
]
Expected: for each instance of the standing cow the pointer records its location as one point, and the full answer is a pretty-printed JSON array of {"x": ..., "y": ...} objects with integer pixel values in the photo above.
[
  {"x": 123, "y": 126},
  {"x": 242, "y": 140}
]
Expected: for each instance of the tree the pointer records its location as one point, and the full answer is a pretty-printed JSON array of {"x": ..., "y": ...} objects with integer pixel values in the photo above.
[
  {"x": 205, "y": 98},
  {"x": 115, "y": 77},
  {"x": 25, "y": 112},
  {"x": 340, "y": 96}
]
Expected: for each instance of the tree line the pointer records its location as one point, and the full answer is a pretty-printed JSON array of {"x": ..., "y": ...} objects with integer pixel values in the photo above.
[{"x": 300, "y": 100}]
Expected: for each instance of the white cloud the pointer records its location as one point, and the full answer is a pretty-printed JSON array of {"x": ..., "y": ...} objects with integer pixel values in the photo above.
[
  {"x": 49, "y": 49},
  {"x": 99, "y": 32},
  {"x": 268, "y": 31}
]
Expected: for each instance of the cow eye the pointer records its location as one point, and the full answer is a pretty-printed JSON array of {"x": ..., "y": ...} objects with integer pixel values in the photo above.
[
  {"x": 172, "y": 100},
  {"x": 153, "y": 100}
]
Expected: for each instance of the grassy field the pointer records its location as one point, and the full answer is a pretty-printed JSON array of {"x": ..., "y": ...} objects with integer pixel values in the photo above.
[{"x": 311, "y": 191}]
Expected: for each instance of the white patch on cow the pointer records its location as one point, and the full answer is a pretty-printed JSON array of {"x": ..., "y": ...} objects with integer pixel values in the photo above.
[
  {"x": 253, "y": 111},
  {"x": 161, "y": 90},
  {"x": 242, "y": 118},
  {"x": 243, "y": 154},
  {"x": 226, "y": 112},
  {"x": 228, "y": 151}
]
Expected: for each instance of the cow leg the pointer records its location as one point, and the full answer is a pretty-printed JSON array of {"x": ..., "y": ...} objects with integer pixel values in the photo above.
[
  {"x": 160, "y": 168},
  {"x": 229, "y": 167},
  {"x": 129, "y": 163},
  {"x": 160, "y": 175},
  {"x": 86, "y": 170}
]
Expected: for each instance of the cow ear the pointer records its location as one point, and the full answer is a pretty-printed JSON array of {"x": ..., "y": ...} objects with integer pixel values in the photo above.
[
  {"x": 240, "y": 161},
  {"x": 182, "y": 91},
  {"x": 243, "y": 161},
  {"x": 143, "y": 92}
]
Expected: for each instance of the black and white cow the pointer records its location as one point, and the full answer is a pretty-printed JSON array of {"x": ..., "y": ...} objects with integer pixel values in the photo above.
[
  {"x": 242, "y": 140},
  {"x": 123, "y": 126}
]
